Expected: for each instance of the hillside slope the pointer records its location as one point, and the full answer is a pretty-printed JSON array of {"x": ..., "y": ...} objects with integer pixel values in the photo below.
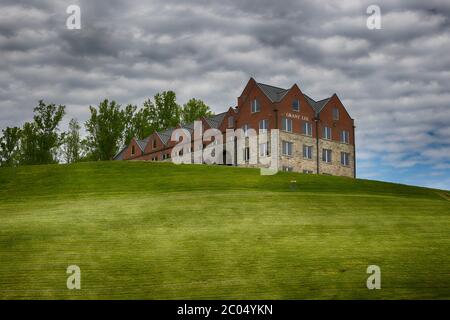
[{"x": 159, "y": 231}]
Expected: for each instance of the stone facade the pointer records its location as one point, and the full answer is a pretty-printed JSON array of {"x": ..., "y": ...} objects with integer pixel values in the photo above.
[{"x": 335, "y": 167}]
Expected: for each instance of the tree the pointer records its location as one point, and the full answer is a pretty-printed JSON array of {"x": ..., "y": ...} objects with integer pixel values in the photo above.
[
  {"x": 130, "y": 129},
  {"x": 166, "y": 111},
  {"x": 105, "y": 128},
  {"x": 29, "y": 149},
  {"x": 193, "y": 110},
  {"x": 144, "y": 121},
  {"x": 72, "y": 148},
  {"x": 9, "y": 146},
  {"x": 40, "y": 138}
]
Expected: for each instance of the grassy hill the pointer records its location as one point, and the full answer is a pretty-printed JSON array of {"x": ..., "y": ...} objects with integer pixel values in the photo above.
[{"x": 159, "y": 231}]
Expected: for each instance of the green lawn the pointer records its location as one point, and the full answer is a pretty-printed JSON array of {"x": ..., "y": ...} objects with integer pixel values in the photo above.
[{"x": 146, "y": 230}]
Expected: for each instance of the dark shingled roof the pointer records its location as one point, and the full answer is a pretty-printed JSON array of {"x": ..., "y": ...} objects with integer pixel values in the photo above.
[
  {"x": 216, "y": 120},
  {"x": 317, "y": 105},
  {"x": 275, "y": 94},
  {"x": 165, "y": 135},
  {"x": 119, "y": 155},
  {"x": 142, "y": 143}
]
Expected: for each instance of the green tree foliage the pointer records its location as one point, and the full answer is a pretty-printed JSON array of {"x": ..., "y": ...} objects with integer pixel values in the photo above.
[
  {"x": 29, "y": 149},
  {"x": 105, "y": 130},
  {"x": 193, "y": 110},
  {"x": 40, "y": 138},
  {"x": 9, "y": 146},
  {"x": 72, "y": 148},
  {"x": 130, "y": 128},
  {"x": 144, "y": 121},
  {"x": 166, "y": 112}
]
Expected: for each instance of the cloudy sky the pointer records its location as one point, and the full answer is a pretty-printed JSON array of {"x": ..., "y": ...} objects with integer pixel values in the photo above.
[{"x": 394, "y": 81}]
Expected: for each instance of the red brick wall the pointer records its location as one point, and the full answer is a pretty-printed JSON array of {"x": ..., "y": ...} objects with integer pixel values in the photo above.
[{"x": 345, "y": 122}]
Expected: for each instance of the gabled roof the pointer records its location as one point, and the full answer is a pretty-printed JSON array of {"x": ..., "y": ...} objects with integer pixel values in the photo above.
[
  {"x": 165, "y": 135},
  {"x": 119, "y": 155},
  {"x": 317, "y": 105},
  {"x": 216, "y": 120},
  {"x": 143, "y": 143},
  {"x": 275, "y": 94}
]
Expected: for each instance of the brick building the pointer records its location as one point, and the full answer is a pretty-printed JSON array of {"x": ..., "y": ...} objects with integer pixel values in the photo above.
[{"x": 314, "y": 136}]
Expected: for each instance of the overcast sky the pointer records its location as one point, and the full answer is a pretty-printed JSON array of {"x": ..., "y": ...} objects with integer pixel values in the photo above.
[{"x": 394, "y": 81}]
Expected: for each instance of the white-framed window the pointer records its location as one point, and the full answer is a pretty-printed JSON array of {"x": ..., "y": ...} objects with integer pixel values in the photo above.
[
  {"x": 307, "y": 128},
  {"x": 133, "y": 150},
  {"x": 296, "y": 105},
  {"x": 345, "y": 158},
  {"x": 307, "y": 152},
  {"x": 335, "y": 114},
  {"x": 327, "y": 133},
  {"x": 345, "y": 136},
  {"x": 287, "y": 148},
  {"x": 256, "y": 107},
  {"x": 263, "y": 125},
  {"x": 230, "y": 122},
  {"x": 326, "y": 155},
  {"x": 286, "y": 124},
  {"x": 287, "y": 169},
  {"x": 263, "y": 149},
  {"x": 246, "y": 154}
]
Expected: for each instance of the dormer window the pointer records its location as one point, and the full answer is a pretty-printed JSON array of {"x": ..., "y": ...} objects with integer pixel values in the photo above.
[
  {"x": 296, "y": 105},
  {"x": 256, "y": 107}
]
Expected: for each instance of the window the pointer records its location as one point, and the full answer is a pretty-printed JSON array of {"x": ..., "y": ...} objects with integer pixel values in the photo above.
[
  {"x": 296, "y": 105},
  {"x": 307, "y": 171},
  {"x": 307, "y": 128},
  {"x": 256, "y": 107},
  {"x": 286, "y": 124},
  {"x": 287, "y": 169},
  {"x": 327, "y": 133},
  {"x": 345, "y": 158},
  {"x": 230, "y": 122},
  {"x": 345, "y": 136},
  {"x": 246, "y": 154},
  {"x": 326, "y": 155},
  {"x": 263, "y": 125},
  {"x": 287, "y": 148},
  {"x": 263, "y": 150},
  {"x": 335, "y": 114},
  {"x": 307, "y": 152},
  {"x": 154, "y": 143},
  {"x": 133, "y": 150},
  {"x": 246, "y": 130}
]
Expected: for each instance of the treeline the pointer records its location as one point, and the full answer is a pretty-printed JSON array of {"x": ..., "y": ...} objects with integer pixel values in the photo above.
[{"x": 109, "y": 127}]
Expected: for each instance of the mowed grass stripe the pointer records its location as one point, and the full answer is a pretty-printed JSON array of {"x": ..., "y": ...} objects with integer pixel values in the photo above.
[{"x": 243, "y": 241}]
